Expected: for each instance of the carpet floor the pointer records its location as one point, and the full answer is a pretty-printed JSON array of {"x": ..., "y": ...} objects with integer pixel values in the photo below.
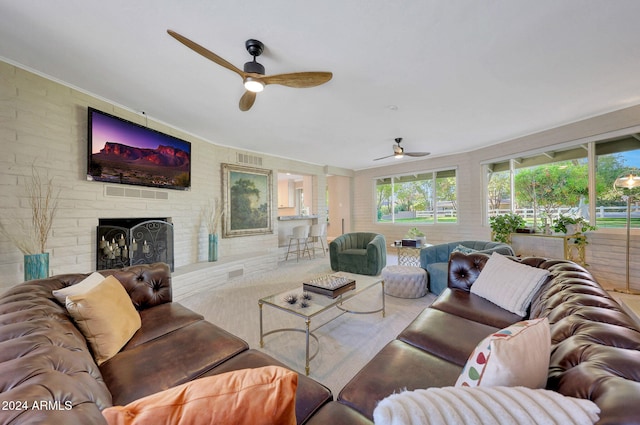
[{"x": 346, "y": 344}]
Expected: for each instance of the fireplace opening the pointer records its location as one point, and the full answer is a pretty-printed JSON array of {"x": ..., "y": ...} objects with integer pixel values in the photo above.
[{"x": 123, "y": 242}]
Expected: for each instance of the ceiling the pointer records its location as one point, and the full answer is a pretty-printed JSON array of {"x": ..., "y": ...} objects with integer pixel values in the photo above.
[{"x": 446, "y": 75}]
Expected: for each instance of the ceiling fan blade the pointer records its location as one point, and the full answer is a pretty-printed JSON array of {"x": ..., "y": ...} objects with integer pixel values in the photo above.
[
  {"x": 205, "y": 52},
  {"x": 247, "y": 100},
  {"x": 384, "y": 157},
  {"x": 417, "y": 153},
  {"x": 298, "y": 79}
]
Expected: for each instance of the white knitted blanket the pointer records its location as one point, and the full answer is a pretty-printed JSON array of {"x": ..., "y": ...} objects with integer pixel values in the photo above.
[{"x": 484, "y": 405}]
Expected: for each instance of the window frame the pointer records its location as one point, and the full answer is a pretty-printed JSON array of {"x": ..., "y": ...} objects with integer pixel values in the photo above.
[
  {"x": 434, "y": 199},
  {"x": 590, "y": 144}
]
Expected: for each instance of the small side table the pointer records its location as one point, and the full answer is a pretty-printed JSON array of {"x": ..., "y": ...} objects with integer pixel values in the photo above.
[{"x": 409, "y": 255}]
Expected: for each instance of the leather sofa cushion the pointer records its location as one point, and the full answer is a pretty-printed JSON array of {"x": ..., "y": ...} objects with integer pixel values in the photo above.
[
  {"x": 336, "y": 413},
  {"x": 133, "y": 373},
  {"x": 396, "y": 367},
  {"x": 310, "y": 395},
  {"x": 161, "y": 320},
  {"x": 432, "y": 332},
  {"x": 469, "y": 306}
]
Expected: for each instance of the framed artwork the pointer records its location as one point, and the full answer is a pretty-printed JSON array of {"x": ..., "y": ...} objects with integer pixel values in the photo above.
[{"x": 247, "y": 194}]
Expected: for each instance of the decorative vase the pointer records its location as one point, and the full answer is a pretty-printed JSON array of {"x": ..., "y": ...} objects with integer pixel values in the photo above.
[
  {"x": 36, "y": 266},
  {"x": 213, "y": 247},
  {"x": 572, "y": 229}
]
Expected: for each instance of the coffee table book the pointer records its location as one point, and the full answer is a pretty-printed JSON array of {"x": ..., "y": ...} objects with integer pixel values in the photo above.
[{"x": 330, "y": 285}]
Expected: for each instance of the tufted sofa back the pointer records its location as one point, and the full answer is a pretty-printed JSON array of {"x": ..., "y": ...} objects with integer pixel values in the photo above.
[
  {"x": 44, "y": 359},
  {"x": 595, "y": 345}
]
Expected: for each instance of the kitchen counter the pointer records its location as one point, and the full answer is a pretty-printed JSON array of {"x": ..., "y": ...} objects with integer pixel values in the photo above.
[
  {"x": 297, "y": 217},
  {"x": 286, "y": 223}
]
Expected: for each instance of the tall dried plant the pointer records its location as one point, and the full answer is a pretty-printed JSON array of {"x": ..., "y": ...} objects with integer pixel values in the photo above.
[
  {"x": 212, "y": 214},
  {"x": 30, "y": 236}
]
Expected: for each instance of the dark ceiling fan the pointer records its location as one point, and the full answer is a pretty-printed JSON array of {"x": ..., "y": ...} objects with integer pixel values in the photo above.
[
  {"x": 253, "y": 74},
  {"x": 398, "y": 151}
]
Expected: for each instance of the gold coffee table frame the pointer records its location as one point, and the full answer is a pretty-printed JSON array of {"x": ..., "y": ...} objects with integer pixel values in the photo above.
[{"x": 316, "y": 305}]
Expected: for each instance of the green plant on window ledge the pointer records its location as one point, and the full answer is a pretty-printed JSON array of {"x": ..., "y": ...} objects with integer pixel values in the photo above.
[
  {"x": 503, "y": 225},
  {"x": 572, "y": 225}
]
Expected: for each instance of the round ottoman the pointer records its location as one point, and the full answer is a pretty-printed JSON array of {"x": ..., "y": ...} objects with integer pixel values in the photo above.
[{"x": 405, "y": 281}]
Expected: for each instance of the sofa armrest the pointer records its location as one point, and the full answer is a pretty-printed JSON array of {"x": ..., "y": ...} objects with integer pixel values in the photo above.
[
  {"x": 377, "y": 252},
  {"x": 148, "y": 285},
  {"x": 464, "y": 269},
  {"x": 434, "y": 254}
]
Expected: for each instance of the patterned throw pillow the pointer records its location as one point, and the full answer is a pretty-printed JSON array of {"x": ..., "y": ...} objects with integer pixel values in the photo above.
[
  {"x": 514, "y": 356},
  {"x": 463, "y": 249}
]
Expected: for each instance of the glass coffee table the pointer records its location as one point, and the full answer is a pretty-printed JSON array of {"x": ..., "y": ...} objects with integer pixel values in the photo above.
[{"x": 308, "y": 305}]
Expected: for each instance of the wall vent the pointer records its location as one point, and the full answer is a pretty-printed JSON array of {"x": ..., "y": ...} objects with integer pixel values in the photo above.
[
  {"x": 243, "y": 158},
  {"x": 126, "y": 192},
  {"x": 236, "y": 273}
]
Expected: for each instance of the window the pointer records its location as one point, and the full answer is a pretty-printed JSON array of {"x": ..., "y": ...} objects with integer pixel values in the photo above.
[
  {"x": 613, "y": 158},
  {"x": 544, "y": 185},
  {"x": 417, "y": 198}
]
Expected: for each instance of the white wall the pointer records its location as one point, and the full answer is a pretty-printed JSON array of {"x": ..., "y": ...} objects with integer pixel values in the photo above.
[
  {"x": 605, "y": 252},
  {"x": 45, "y": 123}
]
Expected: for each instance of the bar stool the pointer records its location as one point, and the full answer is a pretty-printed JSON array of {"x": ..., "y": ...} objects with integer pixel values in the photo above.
[
  {"x": 318, "y": 231},
  {"x": 300, "y": 235}
]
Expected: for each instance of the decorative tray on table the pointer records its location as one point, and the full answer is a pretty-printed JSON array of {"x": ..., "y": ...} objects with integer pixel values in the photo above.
[{"x": 330, "y": 285}]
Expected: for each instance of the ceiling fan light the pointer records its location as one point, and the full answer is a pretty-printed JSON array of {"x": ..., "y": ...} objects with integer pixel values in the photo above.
[
  {"x": 253, "y": 85},
  {"x": 399, "y": 155}
]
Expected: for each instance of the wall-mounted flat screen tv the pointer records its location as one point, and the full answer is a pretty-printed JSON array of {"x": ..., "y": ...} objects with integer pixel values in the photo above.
[{"x": 121, "y": 151}]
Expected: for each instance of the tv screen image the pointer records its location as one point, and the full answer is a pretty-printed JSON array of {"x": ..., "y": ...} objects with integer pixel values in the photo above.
[{"x": 121, "y": 151}]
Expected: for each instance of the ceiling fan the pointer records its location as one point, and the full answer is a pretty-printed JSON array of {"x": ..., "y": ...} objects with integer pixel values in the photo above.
[
  {"x": 253, "y": 74},
  {"x": 398, "y": 151}
]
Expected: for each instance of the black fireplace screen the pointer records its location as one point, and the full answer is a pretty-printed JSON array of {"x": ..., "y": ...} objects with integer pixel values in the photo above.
[{"x": 127, "y": 242}]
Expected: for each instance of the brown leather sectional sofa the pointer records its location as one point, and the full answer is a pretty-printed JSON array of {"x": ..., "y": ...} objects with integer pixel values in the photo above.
[
  {"x": 594, "y": 354},
  {"x": 44, "y": 359}
]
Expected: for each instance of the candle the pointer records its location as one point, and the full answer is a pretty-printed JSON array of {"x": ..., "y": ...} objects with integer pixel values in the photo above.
[
  {"x": 103, "y": 243},
  {"x": 145, "y": 247},
  {"x": 134, "y": 246}
]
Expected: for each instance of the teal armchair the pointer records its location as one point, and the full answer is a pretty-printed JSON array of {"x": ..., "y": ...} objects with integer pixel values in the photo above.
[
  {"x": 359, "y": 252},
  {"x": 435, "y": 259}
]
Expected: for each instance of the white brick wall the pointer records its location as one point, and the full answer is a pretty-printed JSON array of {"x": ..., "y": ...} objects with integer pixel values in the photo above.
[{"x": 45, "y": 123}]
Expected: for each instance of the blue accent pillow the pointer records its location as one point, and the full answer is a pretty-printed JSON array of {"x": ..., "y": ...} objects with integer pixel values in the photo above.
[{"x": 464, "y": 249}]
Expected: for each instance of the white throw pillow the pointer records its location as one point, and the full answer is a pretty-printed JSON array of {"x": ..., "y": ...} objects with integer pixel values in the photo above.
[
  {"x": 85, "y": 285},
  {"x": 514, "y": 356},
  {"x": 508, "y": 284},
  {"x": 481, "y": 405}
]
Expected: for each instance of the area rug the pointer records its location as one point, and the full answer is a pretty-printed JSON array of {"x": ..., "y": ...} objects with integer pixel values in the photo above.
[{"x": 346, "y": 343}]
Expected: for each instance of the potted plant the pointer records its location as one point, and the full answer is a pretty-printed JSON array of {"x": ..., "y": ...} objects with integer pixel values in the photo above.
[
  {"x": 417, "y": 234},
  {"x": 574, "y": 228},
  {"x": 503, "y": 225},
  {"x": 571, "y": 225},
  {"x": 30, "y": 235}
]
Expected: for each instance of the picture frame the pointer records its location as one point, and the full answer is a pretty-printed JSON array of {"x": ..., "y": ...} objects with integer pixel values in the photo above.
[{"x": 247, "y": 192}]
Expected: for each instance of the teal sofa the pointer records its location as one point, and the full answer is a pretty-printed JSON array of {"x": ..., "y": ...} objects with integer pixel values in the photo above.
[
  {"x": 359, "y": 252},
  {"x": 435, "y": 259}
]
